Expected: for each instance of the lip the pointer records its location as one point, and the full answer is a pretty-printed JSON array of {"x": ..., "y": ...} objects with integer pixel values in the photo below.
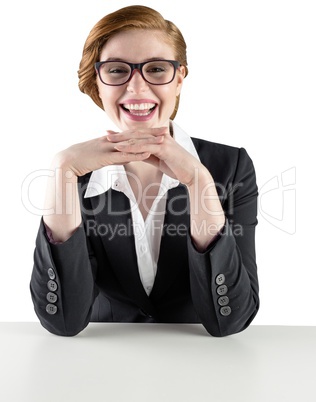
[
  {"x": 139, "y": 116},
  {"x": 138, "y": 101}
]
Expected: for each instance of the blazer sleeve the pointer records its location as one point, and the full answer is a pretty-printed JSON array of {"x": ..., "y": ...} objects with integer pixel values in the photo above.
[
  {"x": 62, "y": 283},
  {"x": 224, "y": 282}
]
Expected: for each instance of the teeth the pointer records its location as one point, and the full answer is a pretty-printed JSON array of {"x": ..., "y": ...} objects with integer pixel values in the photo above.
[{"x": 139, "y": 106}]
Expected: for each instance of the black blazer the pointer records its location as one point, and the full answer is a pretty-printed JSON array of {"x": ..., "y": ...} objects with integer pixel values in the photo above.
[{"x": 93, "y": 276}]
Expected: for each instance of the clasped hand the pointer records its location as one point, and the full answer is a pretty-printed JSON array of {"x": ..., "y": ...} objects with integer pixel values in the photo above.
[{"x": 154, "y": 146}]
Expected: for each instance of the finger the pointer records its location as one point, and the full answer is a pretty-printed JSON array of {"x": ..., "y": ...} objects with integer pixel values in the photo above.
[
  {"x": 122, "y": 158},
  {"x": 136, "y": 134},
  {"x": 139, "y": 147},
  {"x": 138, "y": 143}
]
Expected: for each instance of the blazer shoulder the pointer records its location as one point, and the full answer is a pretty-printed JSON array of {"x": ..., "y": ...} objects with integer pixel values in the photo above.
[
  {"x": 223, "y": 161},
  {"x": 217, "y": 149},
  {"x": 215, "y": 152}
]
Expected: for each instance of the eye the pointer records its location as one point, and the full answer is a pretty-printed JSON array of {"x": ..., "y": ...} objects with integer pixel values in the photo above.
[
  {"x": 118, "y": 70},
  {"x": 155, "y": 69},
  {"x": 158, "y": 68},
  {"x": 114, "y": 68}
]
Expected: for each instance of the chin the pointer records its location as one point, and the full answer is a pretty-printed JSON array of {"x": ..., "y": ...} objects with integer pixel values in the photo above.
[{"x": 132, "y": 125}]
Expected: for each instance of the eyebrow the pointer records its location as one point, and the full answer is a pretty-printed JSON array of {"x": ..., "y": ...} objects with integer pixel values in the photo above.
[{"x": 124, "y": 60}]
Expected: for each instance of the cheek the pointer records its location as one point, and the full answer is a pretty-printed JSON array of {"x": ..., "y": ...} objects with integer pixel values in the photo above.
[
  {"x": 167, "y": 94},
  {"x": 109, "y": 96}
]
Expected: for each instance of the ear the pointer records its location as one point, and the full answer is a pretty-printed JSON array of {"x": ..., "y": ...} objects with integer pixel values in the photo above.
[{"x": 180, "y": 78}]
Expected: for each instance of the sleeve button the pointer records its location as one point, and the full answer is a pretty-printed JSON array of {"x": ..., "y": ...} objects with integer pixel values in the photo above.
[
  {"x": 220, "y": 279},
  {"x": 225, "y": 311},
  {"x": 52, "y": 285},
  {"x": 51, "y": 297},
  {"x": 223, "y": 300},
  {"x": 222, "y": 290},
  {"x": 51, "y": 309},
  {"x": 51, "y": 273}
]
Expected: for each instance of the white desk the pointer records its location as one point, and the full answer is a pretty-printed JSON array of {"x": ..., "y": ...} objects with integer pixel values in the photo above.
[{"x": 157, "y": 363}]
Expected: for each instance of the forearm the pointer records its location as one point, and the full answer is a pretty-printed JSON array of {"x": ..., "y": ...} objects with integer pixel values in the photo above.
[
  {"x": 224, "y": 281},
  {"x": 62, "y": 203},
  {"x": 206, "y": 213},
  {"x": 224, "y": 286},
  {"x": 73, "y": 269}
]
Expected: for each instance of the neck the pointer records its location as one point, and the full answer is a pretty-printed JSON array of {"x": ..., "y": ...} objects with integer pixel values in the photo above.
[{"x": 143, "y": 171}]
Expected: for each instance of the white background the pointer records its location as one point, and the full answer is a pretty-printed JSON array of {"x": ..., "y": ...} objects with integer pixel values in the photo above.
[{"x": 251, "y": 84}]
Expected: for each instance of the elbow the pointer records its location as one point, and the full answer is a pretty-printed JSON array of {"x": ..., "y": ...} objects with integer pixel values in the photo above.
[
  {"x": 61, "y": 329},
  {"x": 236, "y": 322}
]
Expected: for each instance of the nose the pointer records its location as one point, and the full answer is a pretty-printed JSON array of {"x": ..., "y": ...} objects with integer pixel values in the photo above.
[{"x": 137, "y": 84}]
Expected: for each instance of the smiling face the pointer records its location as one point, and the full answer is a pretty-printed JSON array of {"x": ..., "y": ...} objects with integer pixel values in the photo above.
[{"x": 138, "y": 104}]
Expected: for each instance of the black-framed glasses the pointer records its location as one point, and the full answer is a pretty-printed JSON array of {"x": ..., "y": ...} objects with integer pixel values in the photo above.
[{"x": 155, "y": 72}]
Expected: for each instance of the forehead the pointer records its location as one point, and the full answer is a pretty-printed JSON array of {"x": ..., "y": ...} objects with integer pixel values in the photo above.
[{"x": 137, "y": 45}]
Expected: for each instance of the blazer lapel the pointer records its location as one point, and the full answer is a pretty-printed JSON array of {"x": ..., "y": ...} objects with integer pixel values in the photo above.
[
  {"x": 173, "y": 256},
  {"x": 119, "y": 245}
]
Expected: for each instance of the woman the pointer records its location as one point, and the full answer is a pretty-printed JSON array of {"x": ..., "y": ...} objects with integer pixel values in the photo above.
[{"x": 146, "y": 223}]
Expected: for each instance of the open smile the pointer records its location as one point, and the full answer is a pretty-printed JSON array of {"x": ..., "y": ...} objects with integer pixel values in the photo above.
[{"x": 139, "y": 109}]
